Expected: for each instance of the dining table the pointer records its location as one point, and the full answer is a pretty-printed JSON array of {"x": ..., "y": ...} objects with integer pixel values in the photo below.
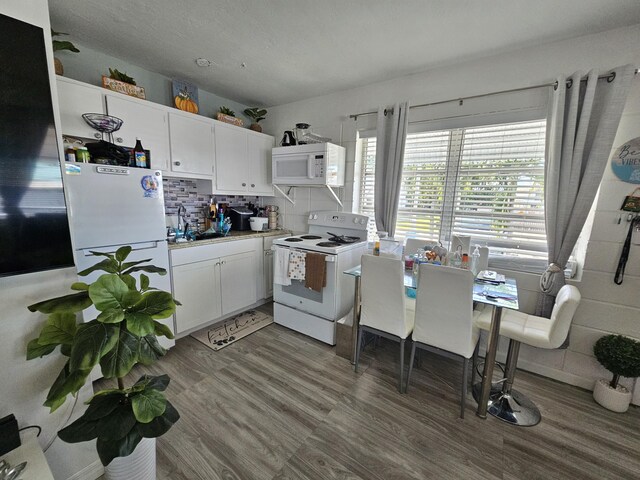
[{"x": 496, "y": 294}]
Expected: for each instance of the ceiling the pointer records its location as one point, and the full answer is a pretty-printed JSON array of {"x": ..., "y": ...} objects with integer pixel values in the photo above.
[{"x": 295, "y": 49}]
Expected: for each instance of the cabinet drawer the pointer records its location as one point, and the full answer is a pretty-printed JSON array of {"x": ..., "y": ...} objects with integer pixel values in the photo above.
[{"x": 202, "y": 253}]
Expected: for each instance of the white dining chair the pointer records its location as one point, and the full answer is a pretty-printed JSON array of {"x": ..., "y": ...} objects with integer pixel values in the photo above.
[
  {"x": 385, "y": 309},
  {"x": 548, "y": 333},
  {"x": 444, "y": 320},
  {"x": 412, "y": 245}
]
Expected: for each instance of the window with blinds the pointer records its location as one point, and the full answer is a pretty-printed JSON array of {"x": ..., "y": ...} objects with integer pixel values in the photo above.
[{"x": 486, "y": 182}]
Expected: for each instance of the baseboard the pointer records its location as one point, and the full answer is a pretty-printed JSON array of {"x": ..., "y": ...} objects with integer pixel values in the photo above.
[{"x": 92, "y": 471}]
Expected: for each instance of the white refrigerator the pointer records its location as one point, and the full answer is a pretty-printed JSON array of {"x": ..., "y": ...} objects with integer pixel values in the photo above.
[{"x": 109, "y": 207}]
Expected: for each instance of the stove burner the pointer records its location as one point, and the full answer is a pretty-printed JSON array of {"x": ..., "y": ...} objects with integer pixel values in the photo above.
[
  {"x": 342, "y": 238},
  {"x": 328, "y": 244},
  {"x": 292, "y": 239},
  {"x": 311, "y": 237}
]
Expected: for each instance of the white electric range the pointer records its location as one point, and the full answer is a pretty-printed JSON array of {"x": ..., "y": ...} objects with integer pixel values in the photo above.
[{"x": 342, "y": 237}]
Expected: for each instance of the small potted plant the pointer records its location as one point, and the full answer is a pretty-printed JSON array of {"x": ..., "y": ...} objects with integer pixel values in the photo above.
[
  {"x": 122, "y": 83},
  {"x": 58, "y": 46},
  {"x": 124, "y": 420},
  {"x": 227, "y": 115},
  {"x": 256, "y": 114},
  {"x": 621, "y": 356}
]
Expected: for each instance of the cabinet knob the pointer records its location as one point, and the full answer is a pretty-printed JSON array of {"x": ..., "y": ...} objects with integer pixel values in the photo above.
[
  {"x": 244, "y": 184},
  {"x": 222, "y": 263},
  {"x": 97, "y": 135},
  {"x": 253, "y": 185},
  {"x": 119, "y": 139},
  {"x": 177, "y": 164},
  {"x": 217, "y": 264}
]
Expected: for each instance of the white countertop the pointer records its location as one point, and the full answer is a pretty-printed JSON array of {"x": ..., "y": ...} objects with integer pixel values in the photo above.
[
  {"x": 233, "y": 235},
  {"x": 30, "y": 452}
]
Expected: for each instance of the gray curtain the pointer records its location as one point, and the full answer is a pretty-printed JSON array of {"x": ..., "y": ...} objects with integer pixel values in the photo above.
[
  {"x": 390, "y": 140},
  {"x": 583, "y": 122}
]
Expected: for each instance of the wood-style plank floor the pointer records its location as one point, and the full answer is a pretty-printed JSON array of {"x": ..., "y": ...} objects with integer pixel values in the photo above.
[{"x": 279, "y": 405}]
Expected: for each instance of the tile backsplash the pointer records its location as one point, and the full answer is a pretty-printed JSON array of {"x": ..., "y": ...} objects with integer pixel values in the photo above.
[{"x": 179, "y": 191}]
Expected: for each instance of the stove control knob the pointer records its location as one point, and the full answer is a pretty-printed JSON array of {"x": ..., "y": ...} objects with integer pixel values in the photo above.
[
  {"x": 355, "y": 220},
  {"x": 362, "y": 221},
  {"x": 315, "y": 216},
  {"x": 310, "y": 217}
]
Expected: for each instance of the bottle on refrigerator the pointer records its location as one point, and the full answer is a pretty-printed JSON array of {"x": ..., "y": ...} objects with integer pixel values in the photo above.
[{"x": 139, "y": 155}]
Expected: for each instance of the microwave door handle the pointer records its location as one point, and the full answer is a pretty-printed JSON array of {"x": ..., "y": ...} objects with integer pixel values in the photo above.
[{"x": 310, "y": 165}]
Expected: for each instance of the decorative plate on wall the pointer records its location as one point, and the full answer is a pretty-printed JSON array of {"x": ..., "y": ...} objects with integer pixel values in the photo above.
[
  {"x": 625, "y": 161},
  {"x": 185, "y": 96}
]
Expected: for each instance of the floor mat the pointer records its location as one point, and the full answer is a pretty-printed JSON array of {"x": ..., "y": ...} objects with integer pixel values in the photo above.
[{"x": 233, "y": 329}]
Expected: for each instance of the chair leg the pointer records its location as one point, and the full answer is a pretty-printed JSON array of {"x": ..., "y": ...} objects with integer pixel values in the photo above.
[
  {"x": 465, "y": 377},
  {"x": 413, "y": 354},
  {"x": 358, "y": 348},
  {"x": 401, "y": 384},
  {"x": 474, "y": 364}
]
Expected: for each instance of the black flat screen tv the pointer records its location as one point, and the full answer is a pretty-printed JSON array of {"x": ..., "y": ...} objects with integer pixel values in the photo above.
[{"x": 34, "y": 231}]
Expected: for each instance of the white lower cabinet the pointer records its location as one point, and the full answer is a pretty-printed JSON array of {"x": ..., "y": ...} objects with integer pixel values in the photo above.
[{"x": 212, "y": 281}]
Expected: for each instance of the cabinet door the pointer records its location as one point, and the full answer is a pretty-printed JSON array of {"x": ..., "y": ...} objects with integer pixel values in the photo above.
[
  {"x": 197, "y": 287},
  {"x": 75, "y": 100},
  {"x": 259, "y": 164},
  {"x": 231, "y": 159},
  {"x": 238, "y": 279},
  {"x": 192, "y": 148},
  {"x": 144, "y": 120}
]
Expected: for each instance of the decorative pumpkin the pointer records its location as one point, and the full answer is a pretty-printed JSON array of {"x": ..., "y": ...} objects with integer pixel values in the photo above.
[
  {"x": 183, "y": 102},
  {"x": 431, "y": 255}
]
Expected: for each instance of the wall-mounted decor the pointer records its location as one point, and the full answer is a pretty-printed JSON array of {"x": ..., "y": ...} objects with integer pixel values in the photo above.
[
  {"x": 625, "y": 161},
  {"x": 123, "y": 87},
  {"x": 185, "y": 96}
]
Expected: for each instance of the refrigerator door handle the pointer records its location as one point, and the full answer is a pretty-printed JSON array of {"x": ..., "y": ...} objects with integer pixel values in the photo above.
[{"x": 138, "y": 246}]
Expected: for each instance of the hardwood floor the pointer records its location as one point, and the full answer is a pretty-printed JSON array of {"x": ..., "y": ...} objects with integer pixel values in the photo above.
[{"x": 279, "y": 405}]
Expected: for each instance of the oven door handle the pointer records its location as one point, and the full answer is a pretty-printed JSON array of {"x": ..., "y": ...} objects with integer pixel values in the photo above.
[
  {"x": 327, "y": 258},
  {"x": 330, "y": 258}
]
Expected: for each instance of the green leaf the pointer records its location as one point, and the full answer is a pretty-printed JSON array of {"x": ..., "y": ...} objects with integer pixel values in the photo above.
[
  {"x": 102, "y": 254},
  {"x": 60, "y": 329},
  {"x": 107, "y": 292},
  {"x": 119, "y": 361},
  {"x": 75, "y": 302},
  {"x": 160, "y": 382},
  {"x": 64, "y": 45},
  {"x": 129, "y": 280},
  {"x": 111, "y": 315},
  {"x": 122, "y": 253},
  {"x": 35, "y": 350},
  {"x": 92, "y": 341},
  {"x": 103, "y": 405},
  {"x": 82, "y": 430},
  {"x": 159, "y": 425},
  {"x": 118, "y": 423},
  {"x": 79, "y": 286},
  {"x": 131, "y": 298},
  {"x": 148, "y": 405},
  {"x": 133, "y": 264},
  {"x": 107, "y": 265},
  {"x": 162, "y": 329},
  {"x": 65, "y": 350},
  {"x": 144, "y": 282},
  {"x": 140, "y": 324},
  {"x": 158, "y": 304},
  {"x": 149, "y": 350},
  {"x": 67, "y": 382},
  {"x": 108, "y": 450},
  {"x": 146, "y": 268}
]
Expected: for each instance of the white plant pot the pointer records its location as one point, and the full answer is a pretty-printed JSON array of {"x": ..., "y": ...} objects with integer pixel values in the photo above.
[
  {"x": 140, "y": 465},
  {"x": 614, "y": 399}
]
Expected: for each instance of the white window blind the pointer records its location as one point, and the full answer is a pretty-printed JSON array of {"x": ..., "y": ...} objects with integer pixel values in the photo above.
[{"x": 486, "y": 182}]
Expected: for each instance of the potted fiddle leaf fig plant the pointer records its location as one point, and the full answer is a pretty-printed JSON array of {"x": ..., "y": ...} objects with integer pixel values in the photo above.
[
  {"x": 621, "y": 356},
  {"x": 256, "y": 114},
  {"x": 59, "y": 46},
  {"x": 125, "y": 420}
]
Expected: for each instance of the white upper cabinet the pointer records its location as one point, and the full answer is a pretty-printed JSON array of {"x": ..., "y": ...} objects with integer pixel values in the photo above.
[
  {"x": 259, "y": 163},
  {"x": 75, "y": 99},
  {"x": 243, "y": 160},
  {"x": 192, "y": 144},
  {"x": 145, "y": 120}
]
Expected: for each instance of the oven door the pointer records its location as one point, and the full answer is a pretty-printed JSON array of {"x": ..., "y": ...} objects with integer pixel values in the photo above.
[
  {"x": 298, "y": 168},
  {"x": 322, "y": 304}
]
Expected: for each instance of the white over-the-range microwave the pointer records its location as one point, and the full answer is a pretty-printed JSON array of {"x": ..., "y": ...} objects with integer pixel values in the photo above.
[{"x": 311, "y": 164}]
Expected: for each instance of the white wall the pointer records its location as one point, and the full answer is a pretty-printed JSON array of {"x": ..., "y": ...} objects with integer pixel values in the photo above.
[
  {"x": 606, "y": 307},
  {"x": 24, "y": 385}
]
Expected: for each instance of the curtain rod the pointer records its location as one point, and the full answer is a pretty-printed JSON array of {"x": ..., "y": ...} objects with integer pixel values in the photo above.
[{"x": 609, "y": 76}]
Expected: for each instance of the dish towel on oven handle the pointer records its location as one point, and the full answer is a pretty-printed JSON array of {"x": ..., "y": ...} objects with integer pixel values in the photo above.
[
  {"x": 315, "y": 271},
  {"x": 281, "y": 266},
  {"x": 297, "y": 265}
]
